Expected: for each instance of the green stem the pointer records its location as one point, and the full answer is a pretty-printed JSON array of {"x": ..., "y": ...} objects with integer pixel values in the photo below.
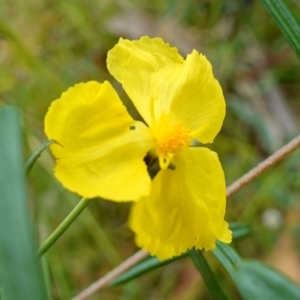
[
  {"x": 35, "y": 155},
  {"x": 63, "y": 226},
  {"x": 207, "y": 275}
]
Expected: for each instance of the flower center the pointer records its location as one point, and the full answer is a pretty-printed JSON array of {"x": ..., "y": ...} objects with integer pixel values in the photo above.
[{"x": 170, "y": 138}]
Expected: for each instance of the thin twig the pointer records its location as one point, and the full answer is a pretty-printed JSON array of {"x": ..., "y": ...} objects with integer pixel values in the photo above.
[
  {"x": 264, "y": 165},
  {"x": 102, "y": 282},
  {"x": 233, "y": 188}
]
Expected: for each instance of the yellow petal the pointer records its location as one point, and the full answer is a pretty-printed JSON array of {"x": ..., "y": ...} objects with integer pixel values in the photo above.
[
  {"x": 198, "y": 100},
  {"x": 186, "y": 207},
  {"x": 100, "y": 148},
  {"x": 147, "y": 69},
  {"x": 158, "y": 81}
]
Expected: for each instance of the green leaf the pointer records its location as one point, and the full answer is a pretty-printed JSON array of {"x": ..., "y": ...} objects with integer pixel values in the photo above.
[
  {"x": 239, "y": 231},
  {"x": 35, "y": 155},
  {"x": 254, "y": 280},
  {"x": 143, "y": 267},
  {"x": 20, "y": 271},
  {"x": 207, "y": 275},
  {"x": 286, "y": 21}
]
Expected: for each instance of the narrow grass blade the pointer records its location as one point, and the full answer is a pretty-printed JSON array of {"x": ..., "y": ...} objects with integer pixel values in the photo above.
[
  {"x": 239, "y": 231},
  {"x": 286, "y": 21},
  {"x": 20, "y": 271},
  {"x": 253, "y": 279},
  {"x": 207, "y": 275},
  {"x": 143, "y": 267}
]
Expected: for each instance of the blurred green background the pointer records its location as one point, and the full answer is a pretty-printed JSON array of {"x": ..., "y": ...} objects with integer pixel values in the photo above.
[{"x": 47, "y": 46}]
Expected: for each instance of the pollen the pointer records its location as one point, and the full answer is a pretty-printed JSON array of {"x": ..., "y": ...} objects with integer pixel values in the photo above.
[{"x": 169, "y": 137}]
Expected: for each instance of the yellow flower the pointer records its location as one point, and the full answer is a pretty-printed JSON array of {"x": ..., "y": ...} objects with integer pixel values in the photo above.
[{"x": 100, "y": 148}]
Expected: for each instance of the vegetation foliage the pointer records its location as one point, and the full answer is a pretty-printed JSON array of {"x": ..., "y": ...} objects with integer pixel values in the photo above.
[{"x": 47, "y": 46}]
